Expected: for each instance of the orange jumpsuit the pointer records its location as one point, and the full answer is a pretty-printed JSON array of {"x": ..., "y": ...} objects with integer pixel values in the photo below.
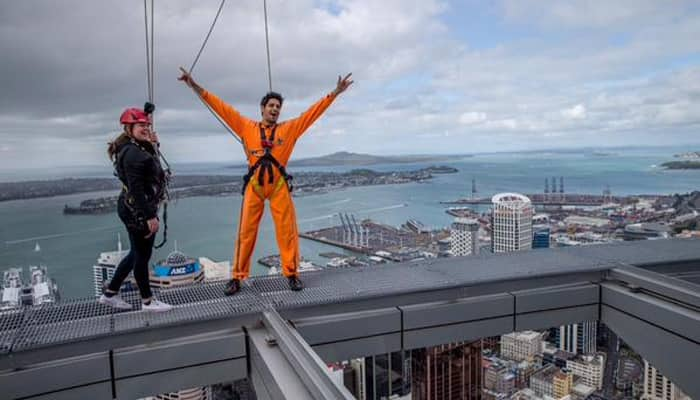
[{"x": 281, "y": 205}]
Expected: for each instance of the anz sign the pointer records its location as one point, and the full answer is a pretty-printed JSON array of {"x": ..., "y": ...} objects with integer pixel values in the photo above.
[{"x": 161, "y": 270}]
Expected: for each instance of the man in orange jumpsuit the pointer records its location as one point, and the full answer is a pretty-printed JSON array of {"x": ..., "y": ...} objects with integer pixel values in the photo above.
[{"x": 268, "y": 146}]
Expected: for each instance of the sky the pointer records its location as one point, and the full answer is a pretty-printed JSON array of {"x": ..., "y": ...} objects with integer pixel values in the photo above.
[{"x": 431, "y": 76}]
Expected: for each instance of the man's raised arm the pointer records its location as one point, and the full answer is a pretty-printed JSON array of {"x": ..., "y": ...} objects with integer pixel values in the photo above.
[{"x": 230, "y": 115}]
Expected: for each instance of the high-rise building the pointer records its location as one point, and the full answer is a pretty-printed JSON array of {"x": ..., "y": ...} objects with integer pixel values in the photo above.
[
  {"x": 176, "y": 270},
  {"x": 520, "y": 346},
  {"x": 580, "y": 338},
  {"x": 542, "y": 382},
  {"x": 562, "y": 382},
  {"x": 215, "y": 270},
  {"x": 490, "y": 343},
  {"x": 388, "y": 375},
  {"x": 107, "y": 263},
  {"x": 354, "y": 377},
  {"x": 199, "y": 393},
  {"x": 589, "y": 368},
  {"x": 658, "y": 387},
  {"x": 511, "y": 223},
  {"x": 451, "y": 371},
  {"x": 540, "y": 237},
  {"x": 499, "y": 380},
  {"x": 465, "y": 237}
]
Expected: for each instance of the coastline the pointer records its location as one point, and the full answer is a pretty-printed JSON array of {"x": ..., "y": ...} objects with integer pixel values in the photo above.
[{"x": 681, "y": 165}]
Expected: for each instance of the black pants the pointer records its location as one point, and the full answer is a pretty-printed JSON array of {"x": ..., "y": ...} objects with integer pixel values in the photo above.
[{"x": 137, "y": 259}]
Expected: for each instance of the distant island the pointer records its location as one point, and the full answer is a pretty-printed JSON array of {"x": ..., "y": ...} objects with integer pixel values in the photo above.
[
  {"x": 599, "y": 153},
  {"x": 359, "y": 159},
  {"x": 691, "y": 155},
  {"x": 61, "y": 187},
  {"x": 681, "y": 165},
  {"x": 305, "y": 183}
]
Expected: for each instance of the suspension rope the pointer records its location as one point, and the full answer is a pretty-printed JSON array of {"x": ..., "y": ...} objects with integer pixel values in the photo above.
[
  {"x": 153, "y": 59},
  {"x": 218, "y": 118},
  {"x": 150, "y": 78},
  {"x": 267, "y": 46},
  {"x": 211, "y": 28},
  {"x": 148, "y": 52},
  {"x": 194, "y": 63}
]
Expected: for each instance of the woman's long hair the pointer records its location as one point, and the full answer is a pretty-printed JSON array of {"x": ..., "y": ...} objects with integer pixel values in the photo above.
[{"x": 114, "y": 145}]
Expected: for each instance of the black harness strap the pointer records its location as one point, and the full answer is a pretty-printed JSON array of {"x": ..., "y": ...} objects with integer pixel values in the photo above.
[
  {"x": 165, "y": 226},
  {"x": 265, "y": 164},
  {"x": 162, "y": 189}
]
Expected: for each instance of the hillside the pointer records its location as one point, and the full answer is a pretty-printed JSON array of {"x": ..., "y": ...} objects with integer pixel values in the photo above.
[{"x": 347, "y": 158}]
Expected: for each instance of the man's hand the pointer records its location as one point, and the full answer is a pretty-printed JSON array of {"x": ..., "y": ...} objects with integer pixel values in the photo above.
[
  {"x": 343, "y": 84},
  {"x": 153, "y": 226},
  {"x": 186, "y": 77}
]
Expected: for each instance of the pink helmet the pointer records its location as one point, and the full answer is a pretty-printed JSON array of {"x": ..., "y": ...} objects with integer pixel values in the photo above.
[{"x": 134, "y": 116}]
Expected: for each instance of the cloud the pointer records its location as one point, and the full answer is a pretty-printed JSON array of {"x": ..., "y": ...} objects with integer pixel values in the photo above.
[
  {"x": 567, "y": 72},
  {"x": 618, "y": 15},
  {"x": 472, "y": 117},
  {"x": 576, "y": 112}
]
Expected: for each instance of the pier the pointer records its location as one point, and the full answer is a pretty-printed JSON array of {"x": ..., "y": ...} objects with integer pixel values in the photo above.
[{"x": 553, "y": 199}]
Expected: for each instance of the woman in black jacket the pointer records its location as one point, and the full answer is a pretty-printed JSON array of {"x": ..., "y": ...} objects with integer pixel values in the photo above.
[{"x": 143, "y": 184}]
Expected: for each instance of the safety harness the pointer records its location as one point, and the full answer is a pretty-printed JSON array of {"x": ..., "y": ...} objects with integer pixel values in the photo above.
[
  {"x": 265, "y": 163},
  {"x": 162, "y": 195}
]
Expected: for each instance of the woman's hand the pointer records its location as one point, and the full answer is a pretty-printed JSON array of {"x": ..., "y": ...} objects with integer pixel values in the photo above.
[
  {"x": 153, "y": 137},
  {"x": 153, "y": 226}
]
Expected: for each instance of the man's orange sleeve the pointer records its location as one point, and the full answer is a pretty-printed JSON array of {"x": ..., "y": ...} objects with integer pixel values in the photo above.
[
  {"x": 230, "y": 115},
  {"x": 300, "y": 124}
]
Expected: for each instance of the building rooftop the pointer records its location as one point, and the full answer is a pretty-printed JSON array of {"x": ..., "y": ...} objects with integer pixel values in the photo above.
[
  {"x": 525, "y": 335},
  {"x": 511, "y": 200}
]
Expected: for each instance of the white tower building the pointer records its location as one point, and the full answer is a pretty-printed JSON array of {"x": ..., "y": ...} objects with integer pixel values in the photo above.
[
  {"x": 107, "y": 263},
  {"x": 579, "y": 338},
  {"x": 511, "y": 222}
]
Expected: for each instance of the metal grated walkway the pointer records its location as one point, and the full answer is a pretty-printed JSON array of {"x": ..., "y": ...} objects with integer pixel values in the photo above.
[{"x": 82, "y": 319}]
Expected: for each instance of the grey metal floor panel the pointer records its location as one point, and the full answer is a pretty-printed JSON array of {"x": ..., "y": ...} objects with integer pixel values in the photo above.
[
  {"x": 75, "y": 320},
  {"x": 10, "y": 322}
]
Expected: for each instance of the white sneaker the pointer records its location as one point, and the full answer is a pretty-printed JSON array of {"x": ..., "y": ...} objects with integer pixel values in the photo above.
[
  {"x": 156, "y": 306},
  {"x": 115, "y": 301}
]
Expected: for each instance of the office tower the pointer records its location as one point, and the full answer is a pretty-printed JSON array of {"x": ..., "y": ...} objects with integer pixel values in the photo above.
[
  {"x": 521, "y": 346},
  {"x": 511, "y": 223},
  {"x": 107, "y": 263},
  {"x": 577, "y": 338},
  {"x": 658, "y": 387},
  {"x": 540, "y": 237},
  {"x": 589, "y": 368},
  {"x": 176, "y": 270},
  {"x": 388, "y": 375},
  {"x": 451, "y": 371},
  {"x": 465, "y": 237},
  {"x": 562, "y": 383},
  {"x": 542, "y": 382}
]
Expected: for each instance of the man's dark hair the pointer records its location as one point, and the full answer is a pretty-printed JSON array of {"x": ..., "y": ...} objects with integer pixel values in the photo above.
[{"x": 269, "y": 96}]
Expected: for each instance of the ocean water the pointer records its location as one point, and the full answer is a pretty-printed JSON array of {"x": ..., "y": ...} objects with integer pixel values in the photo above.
[{"x": 206, "y": 226}]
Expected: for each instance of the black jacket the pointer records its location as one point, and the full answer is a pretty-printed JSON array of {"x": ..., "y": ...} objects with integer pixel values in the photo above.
[{"x": 144, "y": 180}]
